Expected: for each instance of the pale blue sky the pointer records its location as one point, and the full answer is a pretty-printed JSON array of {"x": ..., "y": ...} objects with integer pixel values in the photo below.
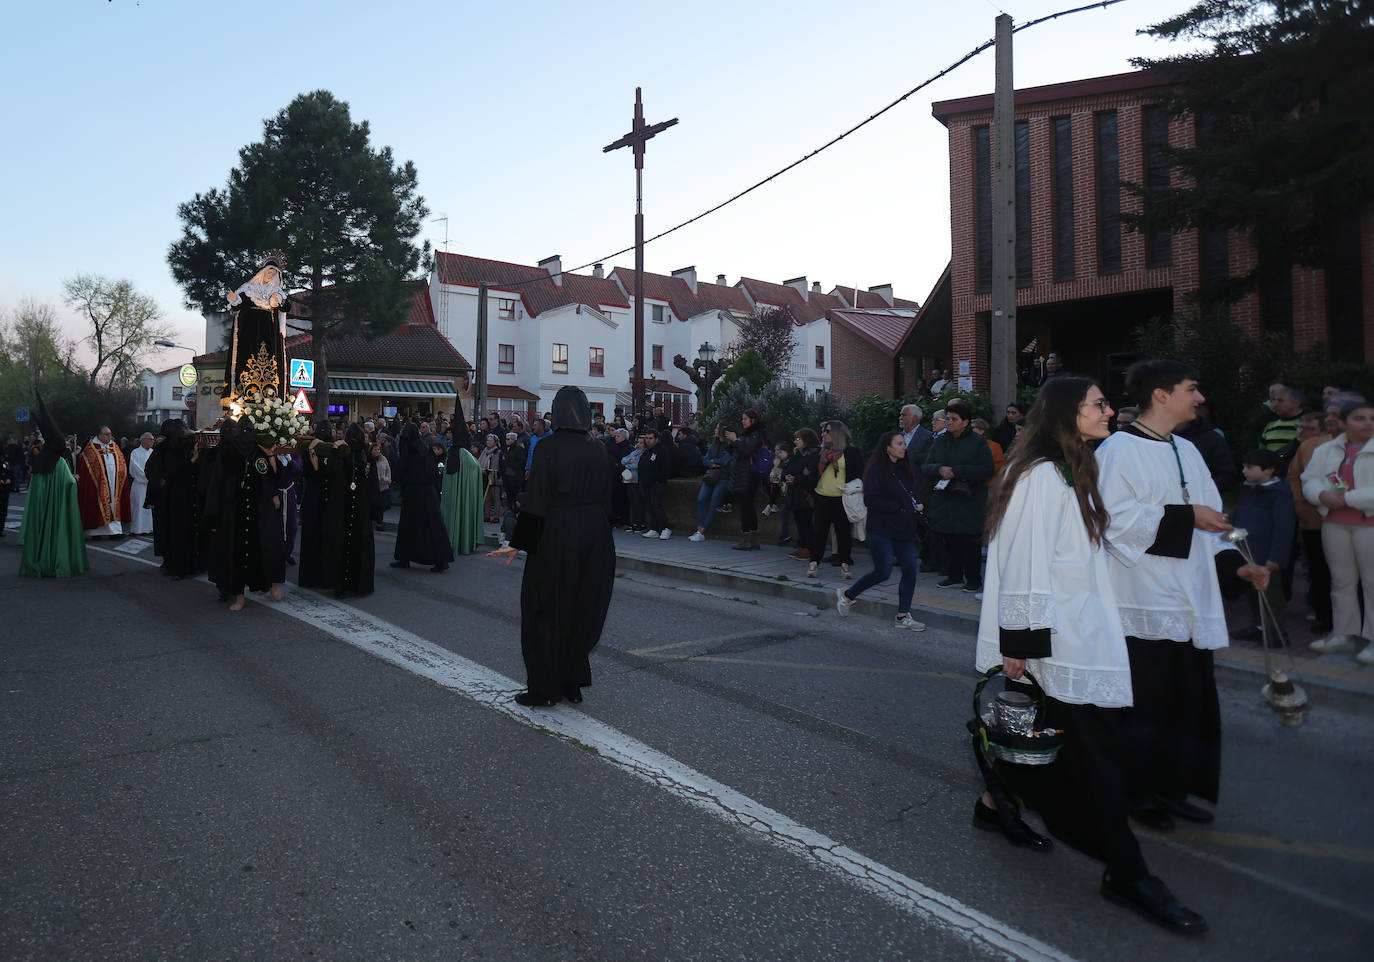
[{"x": 120, "y": 110}]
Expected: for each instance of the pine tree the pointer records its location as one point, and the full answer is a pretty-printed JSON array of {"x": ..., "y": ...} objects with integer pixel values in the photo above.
[
  {"x": 1285, "y": 150},
  {"x": 344, "y": 214}
]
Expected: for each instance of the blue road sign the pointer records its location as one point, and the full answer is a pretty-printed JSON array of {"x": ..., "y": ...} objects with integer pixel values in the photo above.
[
  {"x": 21, "y": 414},
  {"x": 302, "y": 373}
]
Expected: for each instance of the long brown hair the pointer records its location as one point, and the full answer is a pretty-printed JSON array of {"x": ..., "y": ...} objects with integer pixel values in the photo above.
[{"x": 1051, "y": 434}]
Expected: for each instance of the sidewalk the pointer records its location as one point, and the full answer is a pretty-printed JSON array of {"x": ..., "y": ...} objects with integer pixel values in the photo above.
[{"x": 770, "y": 571}]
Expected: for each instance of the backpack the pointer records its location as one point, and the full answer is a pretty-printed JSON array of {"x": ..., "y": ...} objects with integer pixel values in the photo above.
[{"x": 763, "y": 461}]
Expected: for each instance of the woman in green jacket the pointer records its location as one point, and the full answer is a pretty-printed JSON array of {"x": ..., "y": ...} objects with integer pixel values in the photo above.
[{"x": 959, "y": 463}]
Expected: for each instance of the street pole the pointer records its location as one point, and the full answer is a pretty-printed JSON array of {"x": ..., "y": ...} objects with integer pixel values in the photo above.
[
  {"x": 639, "y": 135},
  {"x": 479, "y": 389},
  {"x": 1002, "y": 346}
]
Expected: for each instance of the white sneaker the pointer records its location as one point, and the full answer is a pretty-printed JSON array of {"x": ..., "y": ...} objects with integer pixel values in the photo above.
[
  {"x": 905, "y": 620},
  {"x": 667, "y": 533},
  {"x": 696, "y": 536},
  {"x": 651, "y": 533},
  {"x": 814, "y": 571},
  {"x": 1334, "y": 645},
  {"x": 845, "y": 573},
  {"x": 1366, "y": 657},
  {"x": 842, "y": 603}
]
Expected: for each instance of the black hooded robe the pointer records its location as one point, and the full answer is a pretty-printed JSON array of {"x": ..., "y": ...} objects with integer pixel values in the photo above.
[
  {"x": 172, "y": 489},
  {"x": 354, "y": 506},
  {"x": 421, "y": 537},
  {"x": 247, "y": 544},
  {"x": 317, "y": 567},
  {"x": 564, "y": 526}
]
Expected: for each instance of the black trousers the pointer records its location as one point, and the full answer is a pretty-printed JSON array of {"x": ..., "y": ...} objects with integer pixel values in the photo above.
[
  {"x": 1318, "y": 577},
  {"x": 744, "y": 500},
  {"x": 802, "y": 516},
  {"x": 965, "y": 557},
  {"x": 830, "y": 512},
  {"x": 1082, "y": 795},
  {"x": 653, "y": 502}
]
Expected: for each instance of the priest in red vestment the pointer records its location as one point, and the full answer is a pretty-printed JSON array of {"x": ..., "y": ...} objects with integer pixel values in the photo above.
[{"x": 102, "y": 487}]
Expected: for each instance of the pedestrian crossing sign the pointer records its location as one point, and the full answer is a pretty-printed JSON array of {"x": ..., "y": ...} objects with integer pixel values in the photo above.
[
  {"x": 302, "y": 373},
  {"x": 302, "y": 403}
]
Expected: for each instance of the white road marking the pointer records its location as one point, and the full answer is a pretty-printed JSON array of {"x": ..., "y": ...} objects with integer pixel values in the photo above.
[{"x": 414, "y": 654}]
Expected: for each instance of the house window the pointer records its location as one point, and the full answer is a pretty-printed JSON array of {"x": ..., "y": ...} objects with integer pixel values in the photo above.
[
  {"x": 176, "y": 392},
  {"x": 1061, "y": 210},
  {"x": 505, "y": 358},
  {"x": 1159, "y": 240},
  {"x": 560, "y": 359},
  {"x": 1108, "y": 194},
  {"x": 658, "y": 313},
  {"x": 658, "y": 357},
  {"x": 150, "y": 394},
  {"x": 982, "y": 208},
  {"x": 596, "y": 362},
  {"x": 820, "y": 357},
  {"x": 1023, "y": 204},
  {"x": 505, "y": 309},
  {"x": 597, "y": 408}
]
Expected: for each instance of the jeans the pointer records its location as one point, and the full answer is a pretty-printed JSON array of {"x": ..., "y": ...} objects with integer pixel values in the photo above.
[
  {"x": 884, "y": 550},
  {"x": 709, "y": 498}
]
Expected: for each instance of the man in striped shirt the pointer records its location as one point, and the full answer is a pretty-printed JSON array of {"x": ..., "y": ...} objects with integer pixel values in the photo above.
[{"x": 1281, "y": 434}]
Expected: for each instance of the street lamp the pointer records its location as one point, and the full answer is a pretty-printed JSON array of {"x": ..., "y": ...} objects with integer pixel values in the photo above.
[{"x": 163, "y": 342}]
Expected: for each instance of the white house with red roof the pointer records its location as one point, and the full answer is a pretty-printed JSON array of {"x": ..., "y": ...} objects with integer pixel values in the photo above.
[{"x": 162, "y": 395}]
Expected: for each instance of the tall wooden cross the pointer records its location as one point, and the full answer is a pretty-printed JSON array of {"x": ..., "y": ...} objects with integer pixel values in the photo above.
[{"x": 639, "y": 135}]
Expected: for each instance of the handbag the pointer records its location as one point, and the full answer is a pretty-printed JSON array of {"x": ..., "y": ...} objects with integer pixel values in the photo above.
[
  {"x": 959, "y": 489},
  {"x": 713, "y": 476},
  {"x": 627, "y": 475}
]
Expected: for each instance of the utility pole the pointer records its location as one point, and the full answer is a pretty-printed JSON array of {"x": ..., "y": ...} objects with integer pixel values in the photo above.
[
  {"x": 639, "y": 135},
  {"x": 479, "y": 383},
  {"x": 1002, "y": 346}
]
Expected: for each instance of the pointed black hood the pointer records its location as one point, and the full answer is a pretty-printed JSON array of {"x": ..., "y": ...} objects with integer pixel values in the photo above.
[{"x": 571, "y": 410}]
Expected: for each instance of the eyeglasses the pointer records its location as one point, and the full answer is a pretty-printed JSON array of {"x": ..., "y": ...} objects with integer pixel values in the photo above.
[{"x": 1102, "y": 404}]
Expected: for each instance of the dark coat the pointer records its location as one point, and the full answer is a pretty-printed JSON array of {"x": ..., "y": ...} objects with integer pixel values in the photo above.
[
  {"x": 743, "y": 448},
  {"x": 921, "y": 440},
  {"x": 805, "y": 468},
  {"x": 889, "y": 495},
  {"x": 564, "y": 526},
  {"x": 247, "y": 544},
  {"x": 1214, "y": 450},
  {"x": 1266, "y": 512},
  {"x": 353, "y": 506},
  {"x": 952, "y": 512},
  {"x": 655, "y": 466}
]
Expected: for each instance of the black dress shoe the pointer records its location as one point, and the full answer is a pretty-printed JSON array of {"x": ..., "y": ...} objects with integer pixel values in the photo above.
[
  {"x": 439, "y": 569},
  {"x": 573, "y": 694},
  {"x": 1015, "y": 831},
  {"x": 400, "y": 564},
  {"x": 1154, "y": 817},
  {"x": 1186, "y": 809},
  {"x": 531, "y": 700},
  {"x": 1152, "y": 899}
]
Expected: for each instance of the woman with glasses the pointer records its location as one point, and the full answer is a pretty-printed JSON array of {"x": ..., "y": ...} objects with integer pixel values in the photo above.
[
  {"x": 1050, "y": 612},
  {"x": 840, "y": 462},
  {"x": 958, "y": 463}
]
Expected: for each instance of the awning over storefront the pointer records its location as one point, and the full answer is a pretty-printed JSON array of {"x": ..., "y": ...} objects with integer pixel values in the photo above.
[
  {"x": 508, "y": 392},
  {"x": 390, "y": 387}
]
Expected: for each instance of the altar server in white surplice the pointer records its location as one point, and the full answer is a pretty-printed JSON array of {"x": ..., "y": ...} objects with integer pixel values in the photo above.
[
  {"x": 1049, "y": 611},
  {"x": 142, "y": 522},
  {"x": 1169, "y": 567}
]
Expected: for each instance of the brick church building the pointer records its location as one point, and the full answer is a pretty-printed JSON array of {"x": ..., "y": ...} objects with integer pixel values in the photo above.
[{"x": 1084, "y": 282}]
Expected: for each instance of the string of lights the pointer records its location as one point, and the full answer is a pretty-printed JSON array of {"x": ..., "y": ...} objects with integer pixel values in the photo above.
[{"x": 859, "y": 126}]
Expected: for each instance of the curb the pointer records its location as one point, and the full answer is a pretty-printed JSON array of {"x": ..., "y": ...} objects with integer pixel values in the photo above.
[{"x": 1233, "y": 674}]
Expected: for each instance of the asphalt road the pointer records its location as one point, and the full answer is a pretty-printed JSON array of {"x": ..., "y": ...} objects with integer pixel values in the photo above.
[{"x": 747, "y": 779}]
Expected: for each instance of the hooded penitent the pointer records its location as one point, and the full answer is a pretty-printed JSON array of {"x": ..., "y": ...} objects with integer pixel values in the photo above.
[{"x": 571, "y": 410}]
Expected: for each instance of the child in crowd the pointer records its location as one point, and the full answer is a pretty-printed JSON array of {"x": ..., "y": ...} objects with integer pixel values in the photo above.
[
  {"x": 1265, "y": 510},
  {"x": 777, "y": 488}
]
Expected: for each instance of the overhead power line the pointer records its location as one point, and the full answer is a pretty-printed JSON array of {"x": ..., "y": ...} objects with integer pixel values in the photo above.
[{"x": 863, "y": 123}]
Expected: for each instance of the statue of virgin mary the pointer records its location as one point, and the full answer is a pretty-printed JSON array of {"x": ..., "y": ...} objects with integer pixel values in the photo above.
[{"x": 257, "y": 344}]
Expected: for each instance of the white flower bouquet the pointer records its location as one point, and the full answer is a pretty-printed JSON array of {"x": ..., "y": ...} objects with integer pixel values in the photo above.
[{"x": 277, "y": 425}]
